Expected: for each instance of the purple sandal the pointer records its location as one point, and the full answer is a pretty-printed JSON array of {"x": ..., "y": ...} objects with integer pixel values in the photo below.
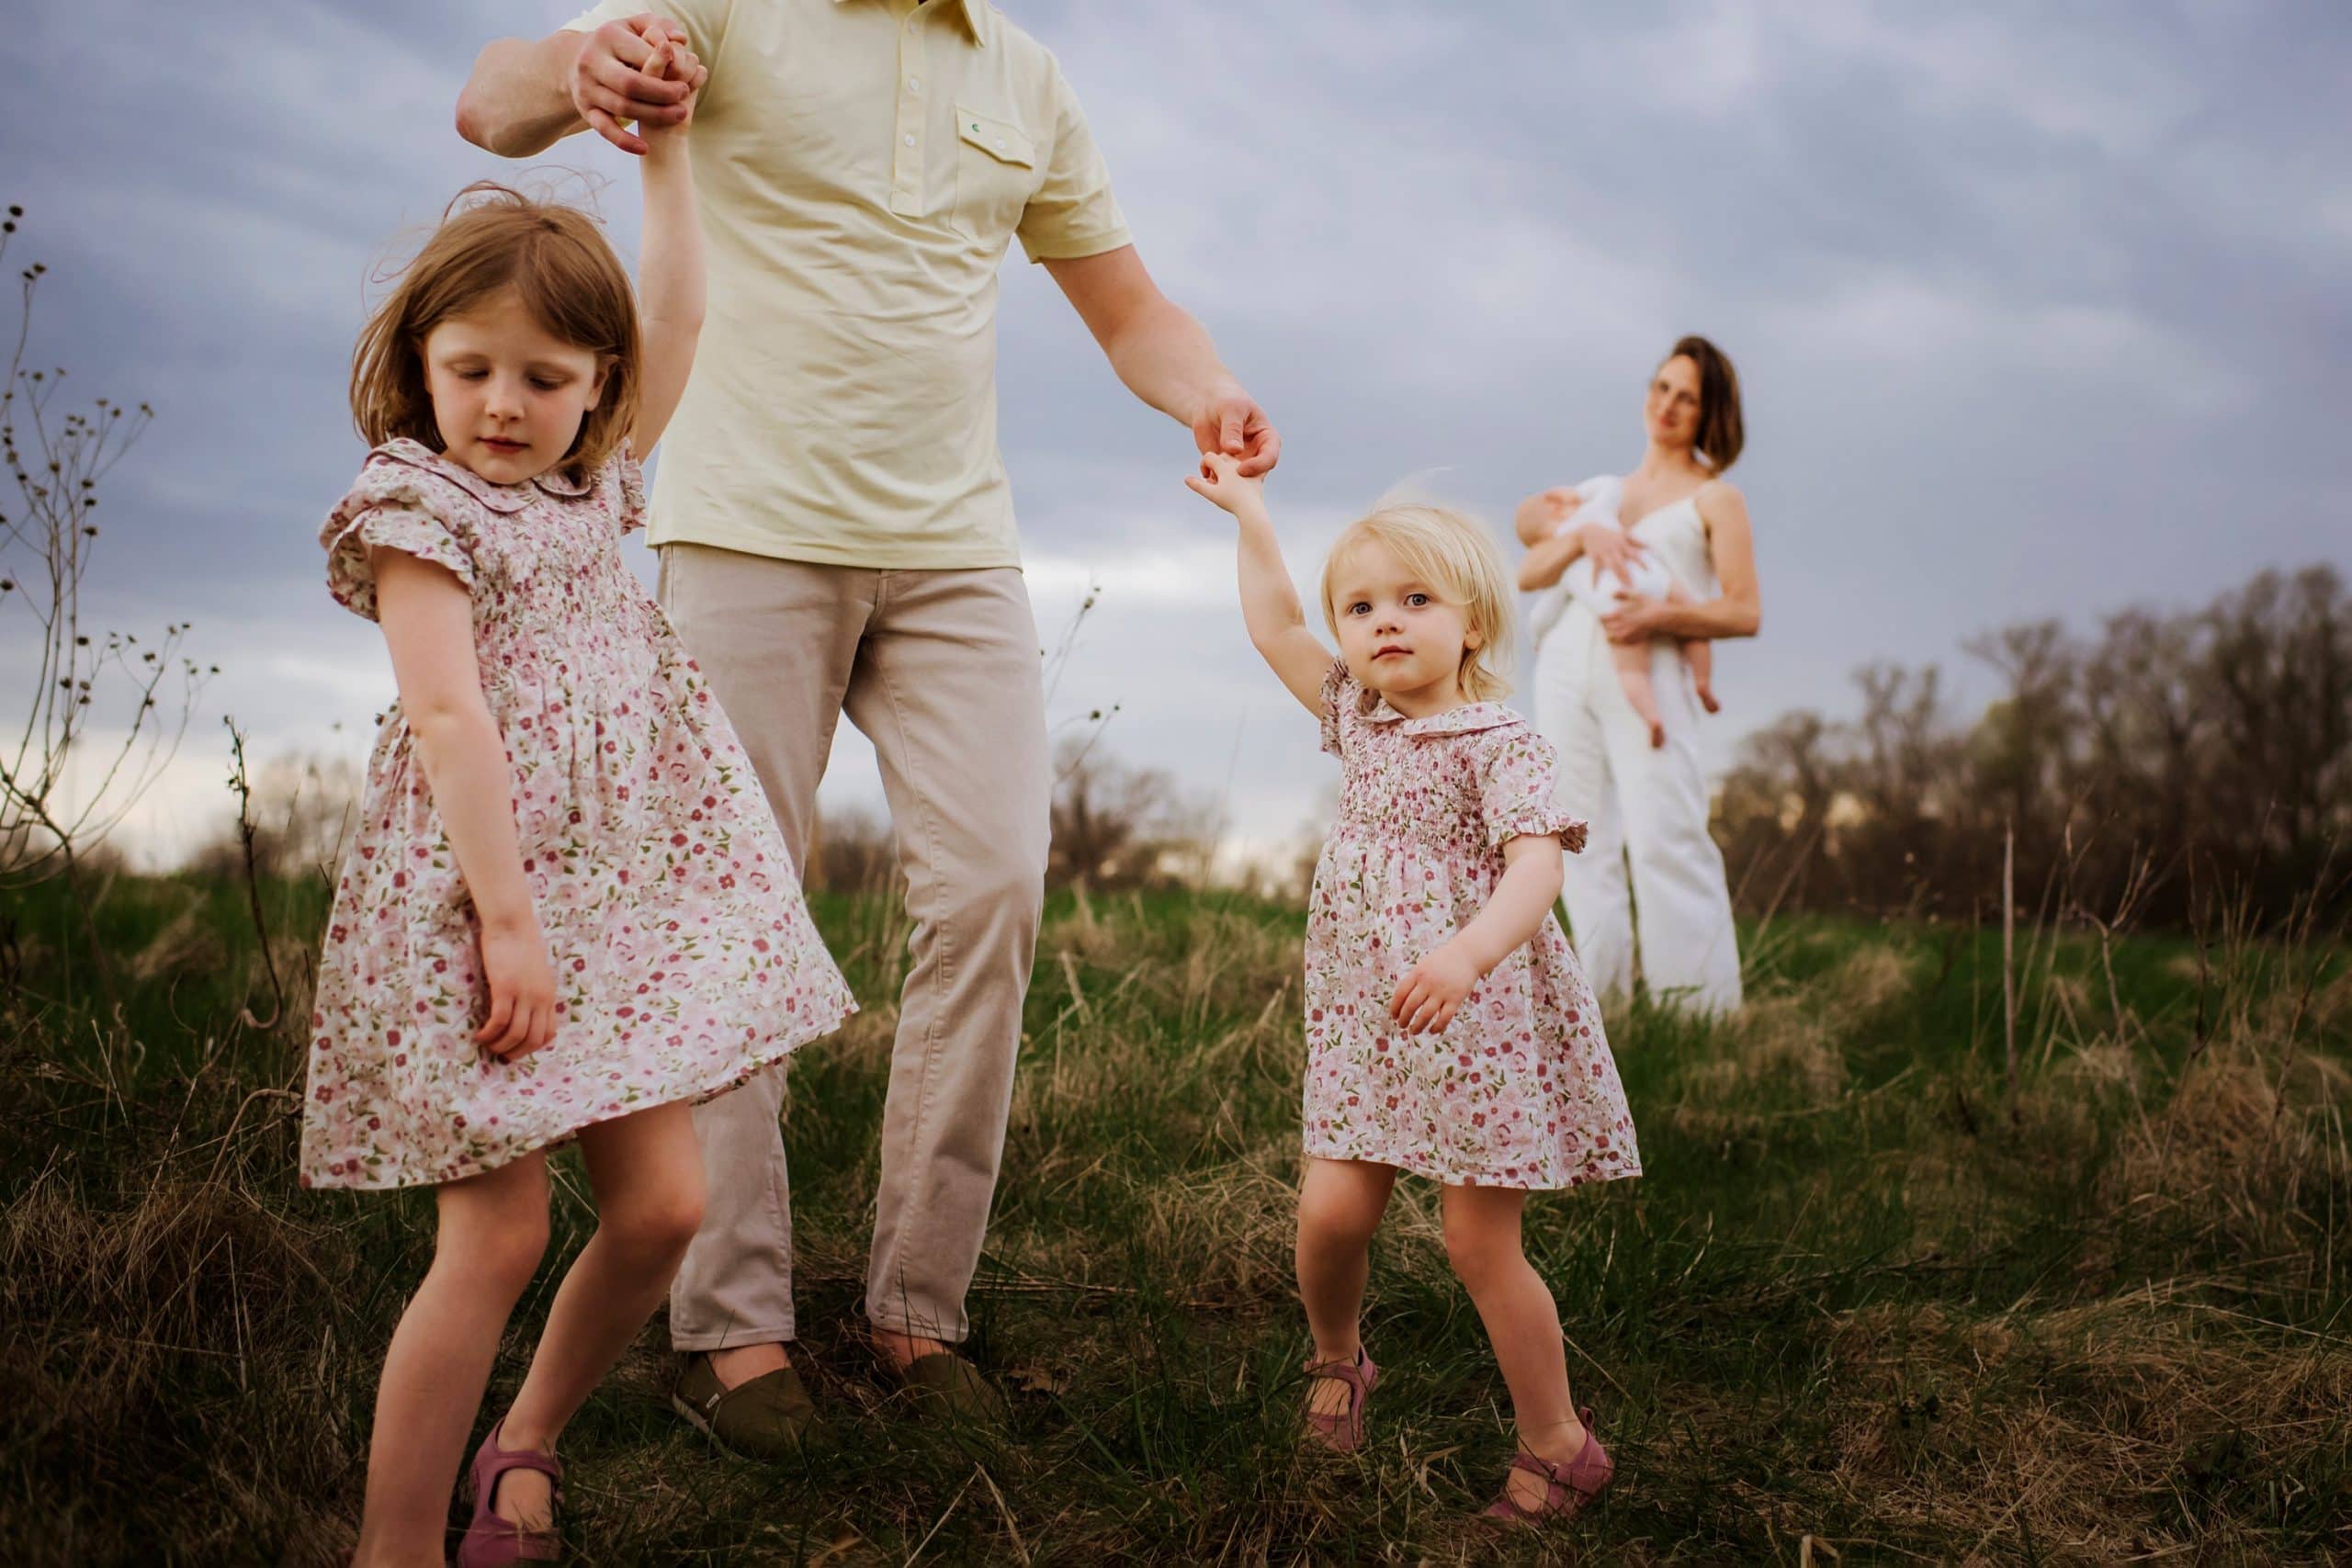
[
  {"x": 1343, "y": 1432},
  {"x": 491, "y": 1542},
  {"x": 1566, "y": 1488}
]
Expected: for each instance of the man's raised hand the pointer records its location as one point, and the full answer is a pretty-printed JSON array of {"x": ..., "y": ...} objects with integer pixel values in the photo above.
[{"x": 610, "y": 85}]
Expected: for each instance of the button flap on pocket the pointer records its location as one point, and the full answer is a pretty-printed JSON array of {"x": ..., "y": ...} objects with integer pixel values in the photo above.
[{"x": 999, "y": 139}]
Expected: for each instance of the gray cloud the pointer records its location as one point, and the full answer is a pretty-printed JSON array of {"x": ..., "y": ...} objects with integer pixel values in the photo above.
[{"x": 2039, "y": 312}]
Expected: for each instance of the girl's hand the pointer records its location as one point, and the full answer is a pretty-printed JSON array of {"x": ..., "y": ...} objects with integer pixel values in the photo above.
[
  {"x": 610, "y": 87},
  {"x": 1611, "y": 549},
  {"x": 522, "y": 991},
  {"x": 1636, "y": 618},
  {"x": 1433, "y": 991},
  {"x": 1220, "y": 480},
  {"x": 673, "y": 62}
]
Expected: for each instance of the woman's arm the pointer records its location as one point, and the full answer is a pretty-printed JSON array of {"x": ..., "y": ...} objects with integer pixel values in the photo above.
[
  {"x": 1737, "y": 611},
  {"x": 1269, "y": 600},
  {"x": 1548, "y": 558},
  {"x": 427, "y": 619},
  {"x": 1523, "y": 898},
  {"x": 671, "y": 286}
]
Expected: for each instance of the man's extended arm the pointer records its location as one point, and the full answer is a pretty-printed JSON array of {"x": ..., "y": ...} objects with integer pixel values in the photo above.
[
  {"x": 1165, "y": 356},
  {"x": 525, "y": 96}
]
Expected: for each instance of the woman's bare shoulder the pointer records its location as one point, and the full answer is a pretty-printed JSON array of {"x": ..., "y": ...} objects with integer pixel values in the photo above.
[{"x": 1719, "y": 500}]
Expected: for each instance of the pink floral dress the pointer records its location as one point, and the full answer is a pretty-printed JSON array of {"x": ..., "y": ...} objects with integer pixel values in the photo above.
[
  {"x": 684, "y": 958},
  {"x": 1519, "y": 1089}
]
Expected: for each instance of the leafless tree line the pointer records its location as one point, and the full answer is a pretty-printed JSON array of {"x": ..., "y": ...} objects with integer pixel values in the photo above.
[{"x": 2175, "y": 763}]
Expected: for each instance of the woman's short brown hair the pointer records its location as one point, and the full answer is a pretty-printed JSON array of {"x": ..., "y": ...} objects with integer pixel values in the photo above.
[
  {"x": 493, "y": 238},
  {"x": 1722, "y": 432}
]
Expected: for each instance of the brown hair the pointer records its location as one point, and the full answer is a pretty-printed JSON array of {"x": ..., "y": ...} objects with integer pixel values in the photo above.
[
  {"x": 556, "y": 258},
  {"x": 1722, "y": 432}
]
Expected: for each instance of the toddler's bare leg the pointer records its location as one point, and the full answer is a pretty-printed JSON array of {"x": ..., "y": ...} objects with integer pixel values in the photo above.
[
  {"x": 1340, "y": 1205},
  {"x": 1483, "y": 1242}
]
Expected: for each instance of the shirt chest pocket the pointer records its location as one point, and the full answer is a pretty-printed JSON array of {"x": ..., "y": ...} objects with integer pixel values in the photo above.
[{"x": 996, "y": 171}]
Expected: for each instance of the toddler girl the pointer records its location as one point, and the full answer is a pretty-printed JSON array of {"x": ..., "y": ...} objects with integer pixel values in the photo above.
[
  {"x": 1449, "y": 1029},
  {"x": 567, "y": 912},
  {"x": 1584, "y": 582}
]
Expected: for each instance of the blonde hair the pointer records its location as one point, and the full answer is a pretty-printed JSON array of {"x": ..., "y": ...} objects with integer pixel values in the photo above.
[
  {"x": 1457, "y": 560},
  {"x": 492, "y": 239}
]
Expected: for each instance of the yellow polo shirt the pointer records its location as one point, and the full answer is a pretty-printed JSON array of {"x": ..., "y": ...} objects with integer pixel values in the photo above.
[{"x": 862, "y": 166}]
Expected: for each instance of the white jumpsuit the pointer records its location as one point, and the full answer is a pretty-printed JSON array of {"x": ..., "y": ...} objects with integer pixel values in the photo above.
[{"x": 1646, "y": 805}]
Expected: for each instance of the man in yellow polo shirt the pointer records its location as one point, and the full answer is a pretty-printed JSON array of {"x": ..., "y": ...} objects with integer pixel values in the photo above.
[{"x": 836, "y": 536}]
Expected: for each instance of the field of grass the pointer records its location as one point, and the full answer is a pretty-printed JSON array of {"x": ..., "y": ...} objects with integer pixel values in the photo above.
[{"x": 1868, "y": 1305}]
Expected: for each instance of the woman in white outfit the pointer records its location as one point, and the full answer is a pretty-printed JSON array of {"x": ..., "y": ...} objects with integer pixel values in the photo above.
[{"x": 1647, "y": 803}]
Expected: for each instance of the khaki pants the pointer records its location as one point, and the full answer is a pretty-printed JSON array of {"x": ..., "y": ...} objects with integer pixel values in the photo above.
[{"x": 940, "y": 669}]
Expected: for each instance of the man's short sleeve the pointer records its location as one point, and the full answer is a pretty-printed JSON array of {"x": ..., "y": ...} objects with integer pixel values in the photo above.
[
  {"x": 1073, "y": 212},
  {"x": 705, "y": 20}
]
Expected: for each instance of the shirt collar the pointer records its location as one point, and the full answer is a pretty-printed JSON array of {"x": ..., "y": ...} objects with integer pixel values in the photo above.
[
  {"x": 490, "y": 492},
  {"x": 1460, "y": 720},
  {"x": 976, "y": 20}
]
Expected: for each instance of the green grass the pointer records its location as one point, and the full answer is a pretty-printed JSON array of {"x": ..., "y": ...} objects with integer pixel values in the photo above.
[{"x": 1864, "y": 1294}]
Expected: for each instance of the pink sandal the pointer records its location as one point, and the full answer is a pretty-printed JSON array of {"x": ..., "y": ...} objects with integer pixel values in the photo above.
[
  {"x": 1566, "y": 1488},
  {"x": 1343, "y": 1432},
  {"x": 494, "y": 1542}
]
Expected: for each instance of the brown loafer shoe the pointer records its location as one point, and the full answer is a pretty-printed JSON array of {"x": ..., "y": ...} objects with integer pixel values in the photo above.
[
  {"x": 948, "y": 1389},
  {"x": 769, "y": 1419}
]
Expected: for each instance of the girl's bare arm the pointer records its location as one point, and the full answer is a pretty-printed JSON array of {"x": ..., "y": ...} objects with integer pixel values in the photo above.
[{"x": 427, "y": 620}]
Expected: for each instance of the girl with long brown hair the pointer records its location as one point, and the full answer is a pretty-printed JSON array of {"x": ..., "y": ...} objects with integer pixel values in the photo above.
[{"x": 566, "y": 914}]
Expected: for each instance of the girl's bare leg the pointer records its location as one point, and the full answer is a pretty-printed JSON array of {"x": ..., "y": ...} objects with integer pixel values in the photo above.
[
  {"x": 647, "y": 1173},
  {"x": 1482, "y": 1240},
  {"x": 493, "y": 1232},
  {"x": 1340, "y": 1205}
]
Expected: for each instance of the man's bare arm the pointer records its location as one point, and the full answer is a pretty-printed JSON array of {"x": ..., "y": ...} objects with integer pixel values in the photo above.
[
  {"x": 525, "y": 96},
  {"x": 1165, "y": 356}
]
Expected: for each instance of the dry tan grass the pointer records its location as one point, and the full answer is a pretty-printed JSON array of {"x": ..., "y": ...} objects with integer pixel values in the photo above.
[
  {"x": 2151, "y": 1398},
  {"x": 187, "y": 944},
  {"x": 1787, "y": 1048},
  {"x": 2101, "y": 1065},
  {"x": 1913, "y": 1317},
  {"x": 2253, "y": 1147}
]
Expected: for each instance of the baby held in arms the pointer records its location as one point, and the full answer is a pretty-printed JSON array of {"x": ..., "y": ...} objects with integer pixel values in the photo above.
[{"x": 1599, "y": 589}]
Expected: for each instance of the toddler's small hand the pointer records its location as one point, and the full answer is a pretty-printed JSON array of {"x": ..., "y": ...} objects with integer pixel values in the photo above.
[
  {"x": 1432, "y": 993},
  {"x": 1219, "y": 481}
]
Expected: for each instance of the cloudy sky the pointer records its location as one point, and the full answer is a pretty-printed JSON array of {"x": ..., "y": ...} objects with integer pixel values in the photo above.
[{"x": 2040, "y": 311}]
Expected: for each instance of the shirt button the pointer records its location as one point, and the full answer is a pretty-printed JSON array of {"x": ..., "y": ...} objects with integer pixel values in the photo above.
[
  {"x": 911, "y": 138},
  {"x": 999, "y": 143},
  {"x": 914, "y": 83}
]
